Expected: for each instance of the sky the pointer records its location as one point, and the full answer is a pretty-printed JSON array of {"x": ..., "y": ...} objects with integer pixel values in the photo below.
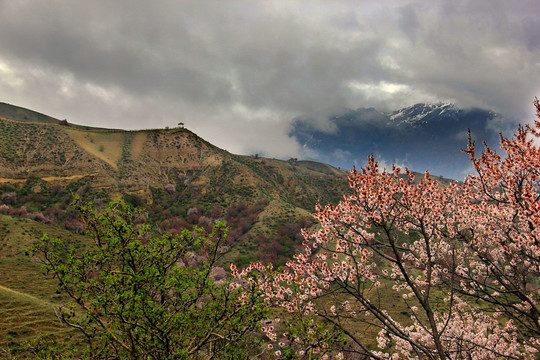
[{"x": 238, "y": 73}]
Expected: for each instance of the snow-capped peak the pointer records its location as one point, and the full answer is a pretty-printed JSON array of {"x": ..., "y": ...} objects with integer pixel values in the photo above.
[{"x": 417, "y": 113}]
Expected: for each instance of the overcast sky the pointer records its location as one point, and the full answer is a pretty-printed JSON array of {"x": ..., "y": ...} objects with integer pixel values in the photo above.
[{"x": 238, "y": 72}]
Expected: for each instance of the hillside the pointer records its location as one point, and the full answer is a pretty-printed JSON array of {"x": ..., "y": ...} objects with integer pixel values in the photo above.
[
  {"x": 34, "y": 144},
  {"x": 27, "y": 298},
  {"x": 172, "y": 172},
  {"x": 165, "y": 169},
  {"x": 181, "y": 179}
]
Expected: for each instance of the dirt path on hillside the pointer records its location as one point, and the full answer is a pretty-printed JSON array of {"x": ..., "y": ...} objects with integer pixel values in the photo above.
[
  {"x": 6, "y": 180},
  {"x": 60, "y": 178},
  {"x": 30, "y": 297},
  {"x": 48, "y": 178}
]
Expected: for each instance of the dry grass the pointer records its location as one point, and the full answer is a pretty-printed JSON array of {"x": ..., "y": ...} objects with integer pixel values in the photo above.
[
  {"x": 12, "y": 181},
  {"x": 137, "y": 144},
  {"x": 106, "y": 146},
  {"x": 66, "y": 178}
]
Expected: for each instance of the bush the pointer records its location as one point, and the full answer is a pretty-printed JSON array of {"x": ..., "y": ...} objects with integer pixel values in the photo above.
[{"x": 9, "y": 198}]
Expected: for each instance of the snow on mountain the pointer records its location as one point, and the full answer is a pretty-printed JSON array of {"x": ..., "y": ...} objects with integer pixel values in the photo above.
[
  {"x": 421, "y": 136},
  {"x": 421, "y": 113}
]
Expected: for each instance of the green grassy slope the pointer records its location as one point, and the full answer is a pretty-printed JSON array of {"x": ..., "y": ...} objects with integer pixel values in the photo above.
[
  {"x": 27, "y": 296},
  {"x": 16, "y": 113}
]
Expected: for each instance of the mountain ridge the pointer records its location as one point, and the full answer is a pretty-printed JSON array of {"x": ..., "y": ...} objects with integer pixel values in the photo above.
[{"x": 420, "y": 137}]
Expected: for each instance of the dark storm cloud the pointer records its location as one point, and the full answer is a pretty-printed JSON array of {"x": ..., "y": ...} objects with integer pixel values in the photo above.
[
  {"x": 238, "y": 72},
  {"x": 134, "y": 46}
]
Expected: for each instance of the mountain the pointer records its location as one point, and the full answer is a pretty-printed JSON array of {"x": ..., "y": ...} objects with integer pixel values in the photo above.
[{"x": 421, "y": 137}]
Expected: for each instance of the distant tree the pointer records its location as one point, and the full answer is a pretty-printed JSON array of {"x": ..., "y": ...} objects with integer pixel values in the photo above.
[
  {"x": 133, "y": 200},
  {"x": 216, "y": 212},
  {"x": 171, "y": 189},
  {"x": 64, "y": 122},
  {"x": 181, "y": 124},
  {"x": 37, "y": 216},
  {"x": 9, "y": 198},
  {"x": 141, "y": 296}
]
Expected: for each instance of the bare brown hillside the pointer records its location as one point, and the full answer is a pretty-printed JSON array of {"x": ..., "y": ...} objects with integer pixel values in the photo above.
[{"x": 136, "y": 161}]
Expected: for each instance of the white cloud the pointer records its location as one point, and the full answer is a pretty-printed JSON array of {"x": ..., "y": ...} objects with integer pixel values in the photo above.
[
  {"x": 342, "y": 155},
  {"x": 9, "y": 76},
  {"x": 382, "y": 88}
]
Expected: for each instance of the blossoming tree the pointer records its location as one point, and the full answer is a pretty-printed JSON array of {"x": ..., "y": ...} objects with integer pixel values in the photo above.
[{"x": 461, "y": 261}]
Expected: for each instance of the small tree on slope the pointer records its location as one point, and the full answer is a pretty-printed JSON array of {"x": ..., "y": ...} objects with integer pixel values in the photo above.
[{"x": 463, "y": 260}]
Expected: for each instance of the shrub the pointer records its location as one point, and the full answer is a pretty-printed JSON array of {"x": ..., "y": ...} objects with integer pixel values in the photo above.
[{"x": 9, "y": 198}]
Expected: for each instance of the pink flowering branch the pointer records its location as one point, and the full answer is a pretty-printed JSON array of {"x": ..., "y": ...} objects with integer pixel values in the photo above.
[{"x": 475, "y": 245}]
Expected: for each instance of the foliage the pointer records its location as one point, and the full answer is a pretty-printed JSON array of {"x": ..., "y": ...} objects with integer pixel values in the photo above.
[
  {"x": 138, "y": 295},
  {"x": 279, "y": 247},
  {"x": 464, "y": 259}
]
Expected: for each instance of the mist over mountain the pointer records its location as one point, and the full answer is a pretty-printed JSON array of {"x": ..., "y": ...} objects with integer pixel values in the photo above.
[{"x": 421, "y": 137}]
